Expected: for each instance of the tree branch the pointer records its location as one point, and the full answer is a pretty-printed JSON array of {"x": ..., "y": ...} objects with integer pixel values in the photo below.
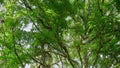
[{"x": 15, "y": 51}]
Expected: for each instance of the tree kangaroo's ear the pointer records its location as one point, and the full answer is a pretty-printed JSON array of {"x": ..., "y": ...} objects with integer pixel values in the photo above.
[{"x": 39, "y": 66}]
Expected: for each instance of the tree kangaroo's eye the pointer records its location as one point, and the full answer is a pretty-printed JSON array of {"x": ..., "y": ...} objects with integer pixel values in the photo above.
[{"x": 2, "y": 21}]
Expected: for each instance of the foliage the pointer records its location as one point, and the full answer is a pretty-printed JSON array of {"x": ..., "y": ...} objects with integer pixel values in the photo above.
[{"x": 65, "y": 33}]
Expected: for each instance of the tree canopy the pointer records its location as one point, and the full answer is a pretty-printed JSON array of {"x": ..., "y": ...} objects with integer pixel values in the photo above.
[{"x": 60, "y": 33}]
